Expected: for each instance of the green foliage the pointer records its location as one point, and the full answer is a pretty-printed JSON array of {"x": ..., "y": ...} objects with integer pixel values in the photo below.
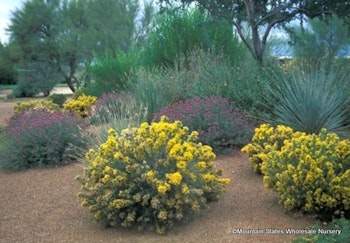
[
  {"x": 154, "y": 175},
  {"x": 208, "y": 73},
  {"x": 110, "y": 73},
  {"x": 153, "y": 90},
  {"x": 24, "y": 89},
  {"x": 309, "y": 101},
  {"x": 311, "y": 172},
  {"x": 8, "y": 72},
  {"x": 67, "y": 33},
  {"x": 41, "y": 138},
  {"x": 265, "y": 140},
  {"x": 336, "y": 224},
  {"x": 324, "y": 40},
  {"x": 58, "y": 99},
  {"x": 177, "y": 32},
  {"x": 118, "y": 111}
]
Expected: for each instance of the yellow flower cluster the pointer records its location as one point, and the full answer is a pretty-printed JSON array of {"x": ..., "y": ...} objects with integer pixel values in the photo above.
[
  {"x": 310, "y": 172},
  {"x": 156, "y": 169},
  {"x": 266, "y": 139},
  {"x": 35, "y": 104},
  {"x": 80, "y": 105}
]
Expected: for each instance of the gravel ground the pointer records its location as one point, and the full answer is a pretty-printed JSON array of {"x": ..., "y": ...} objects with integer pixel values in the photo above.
[{"x": 40, "y": 205}]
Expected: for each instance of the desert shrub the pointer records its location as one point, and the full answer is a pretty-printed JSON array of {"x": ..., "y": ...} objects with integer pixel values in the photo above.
[
  {"x": 311, "y": 173},
  {"x": 110, "y": 73},
  {"x": 265, "y": 140},
  {"x": 119, "y": 111},
  {"x": 153, "y": 90},
  {"x": 309, "y": 101},
  {"x": 25, "y": 89},
  {"x": 36, "y": 77},
  {"x": 219, "y": 124},
  {"x": 326, "y": 233},
  {"x": 154, "y": 175},
  {"x": 80, "y": 105},
  {"x": 41, "y": 138},
  {"x": 109, "y": 104},
  {"x": 177, "y": 31},
  {"x": 58, "y": 99},
  {"x": 28, "y": 106}
]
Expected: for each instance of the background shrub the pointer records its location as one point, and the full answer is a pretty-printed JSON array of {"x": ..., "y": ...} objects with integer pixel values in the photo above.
[
  {"x": 154, "y": 175},
  {"x": 337, "y": 224},
  {"x": 41, "y": 138},
  {"x": 58, "y": 99},
  {"x": 110, "y": 73},
  {"x": 80, "y": 105},
  {"x": 311, "y": 173},
  {"x": 28, "y": 106},
  {"x": 219, "y": 124},
  {"x": 153, "y": 90},
  {"x": 118, "y": 111}
]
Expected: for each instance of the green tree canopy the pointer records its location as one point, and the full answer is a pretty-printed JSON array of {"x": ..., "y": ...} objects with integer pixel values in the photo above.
[
  {"x": 322, "y": 40},
  {"x": 65, "y": 33},
  {"x": 260, "y": 16}
]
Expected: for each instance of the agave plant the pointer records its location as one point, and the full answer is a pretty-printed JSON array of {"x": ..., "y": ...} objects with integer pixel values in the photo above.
[{"x": 310, "y": 101}]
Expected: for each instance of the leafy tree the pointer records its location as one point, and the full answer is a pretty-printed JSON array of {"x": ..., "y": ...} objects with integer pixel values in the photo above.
[
  {"x": 261, "y": 16},
  {"x": 7, "y": 68},
  {"x": 323, "y": 40},
  {"x": 175, "y": 33},
  {"x": 65, "y": 33}
]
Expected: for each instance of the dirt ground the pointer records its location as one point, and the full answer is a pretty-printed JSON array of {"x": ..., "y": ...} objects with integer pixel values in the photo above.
[{"x": 41, "y": 205}]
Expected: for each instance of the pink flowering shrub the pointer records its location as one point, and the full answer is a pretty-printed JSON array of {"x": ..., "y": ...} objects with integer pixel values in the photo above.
[
  {"x": 219, "y": 124},
  {"x": 41, "y": 138}
]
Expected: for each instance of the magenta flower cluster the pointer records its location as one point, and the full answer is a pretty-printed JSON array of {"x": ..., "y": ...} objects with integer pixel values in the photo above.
[
  {"x": 219, "y": 124},
  {"x": 40, "y": 137}
]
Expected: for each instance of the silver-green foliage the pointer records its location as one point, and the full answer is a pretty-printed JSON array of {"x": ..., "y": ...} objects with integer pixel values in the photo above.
[
  {"x": 154, "y": 90},
  {"x": 309, "y": 101}
]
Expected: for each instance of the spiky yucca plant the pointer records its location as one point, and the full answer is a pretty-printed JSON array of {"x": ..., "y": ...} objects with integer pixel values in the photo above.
[{"x": 310, "y": 101}]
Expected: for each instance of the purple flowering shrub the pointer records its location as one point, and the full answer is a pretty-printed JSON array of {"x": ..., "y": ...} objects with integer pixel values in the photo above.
[
  {"x": 41, "y": 138},
  {"x": 218, "y": 123}
]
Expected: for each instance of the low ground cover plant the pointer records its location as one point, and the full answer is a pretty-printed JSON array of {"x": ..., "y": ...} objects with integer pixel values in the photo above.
[
  {"x": 218, "y": 123},
  {"x": 41, "y": 138},
  {"x": 322, "y": 234},
  {"x": 151, "y": 176}
]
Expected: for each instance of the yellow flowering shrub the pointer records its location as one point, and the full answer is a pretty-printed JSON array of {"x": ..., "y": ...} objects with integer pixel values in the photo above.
[
  {"x": 154, "y": 175},
  {"x": 311, "y": 172},
  {"x": 266, "y": 139},
  {"x": 80, "y": 105},
  {"x": 35, "y": 104}
]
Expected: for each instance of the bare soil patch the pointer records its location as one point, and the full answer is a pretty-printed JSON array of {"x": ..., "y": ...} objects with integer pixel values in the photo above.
[{"x": 41, "y": 205}]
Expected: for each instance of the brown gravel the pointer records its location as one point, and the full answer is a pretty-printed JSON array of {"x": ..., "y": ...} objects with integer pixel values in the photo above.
[{"x": 41, "y": 205}]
